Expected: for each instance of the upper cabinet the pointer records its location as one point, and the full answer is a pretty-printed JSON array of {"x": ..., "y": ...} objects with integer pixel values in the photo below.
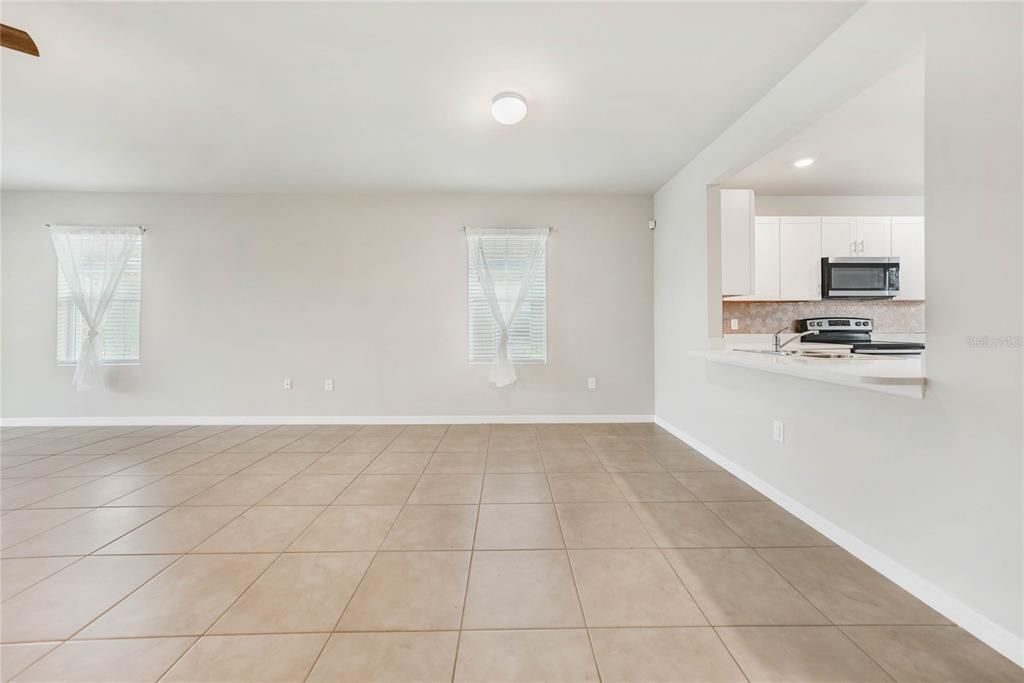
[
  {"x": 737, "y": 220},
  {"x": 855, "y": 236},
  {"x": 799, "y": 258},
  {"x": 766, "y": 261},
  {"x": 908, "y": 245}
]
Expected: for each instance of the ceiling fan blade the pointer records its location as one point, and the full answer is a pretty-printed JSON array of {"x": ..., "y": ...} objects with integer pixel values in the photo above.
[{"x": 16, "y": 39}]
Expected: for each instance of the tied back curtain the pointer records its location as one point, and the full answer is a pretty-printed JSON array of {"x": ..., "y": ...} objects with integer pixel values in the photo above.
[
  {"x": 505, "y": 271},
  {"x": 92, "y": 261}
]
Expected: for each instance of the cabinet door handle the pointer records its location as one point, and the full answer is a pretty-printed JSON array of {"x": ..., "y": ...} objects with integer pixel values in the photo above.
[
  {"x": 853, "y": 247},
  {"x": 861, "y": 249}
]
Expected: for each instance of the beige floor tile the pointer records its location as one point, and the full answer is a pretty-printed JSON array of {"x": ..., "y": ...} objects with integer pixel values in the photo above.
[
  {"x": 433, "y": 527},
  {"x": 169, "y": 463},
  {"x": 447, "y": 489},
  {"x": 316, "y": 442},
  {"x": 17, "y": 657},
  {"x": 584, "y": 488},
  {"x": 285, "y": 658},
  {"x": 18, "y": 574},
  {"x": 799, "y": 654},
  {"x": 846, "y": 589},
  {"x": 85, "y": 534},
  {"x": 340, "y": 463},
  {"x": 516, "y": 488},
  {"x": 426, "y": 657},
  {"x": 363, "y": 444},
  {"x": 183, "y": 600},
  {"x": 764, "y": 524},
  {"x": 652, "y": 487},
  {"x": 631, "y": 588},
  {"x": 413, "y": 444},
  {"x": 132, "y": 660},
  {"x": 240, "y": 489},
  {"x": 309, "y": 489},
  {"x": 513, "y": 462},
  {"x": 409, "y": 591},
  {"x": 176, "y": 531},
  {"x": 518, "y": 526},
  {"x": 521, "y": 589},
  {"x": 610, "y": 442},
  {"x": 96, "y": 493},
  {"x": 685, "y": 525},
  {"x": 53, "y": 465},
  {"x": 171, "y": 490},
  {"x": 927, "y": 654},
  {"x": 108, "y": 464},
  {"x": 398, "y": 463},
  {"x": 629, "y": 461},
  {"x": 570, "y": 461},
  {"x": 512, "y": 442},
  {"x": 261, "y": 530},
  {"x": 300, "y": 592},
  {"x": 717, "y": 486},
  {"x": 516, "y": 656},
  {"x": 21, "y": 525},
  {"x": 685, "y": 461},
  {"x": 734, "y": 586},
  {"x": 457, "y": 463},
  {"x": 282, "y": 463},
  {"x": 35, "y": 490},
  {"x": 57, "y": 607},
  {"x": 602, "y": 525},
  {"x": 348, "y": 527},
  {"x": 378, "y": 489},
  {"x": 224, "y": 463},
  {"x": 662, "y": 442},
  {"x": 664, "y": 655},
  {"x": 561, "y": 442}
]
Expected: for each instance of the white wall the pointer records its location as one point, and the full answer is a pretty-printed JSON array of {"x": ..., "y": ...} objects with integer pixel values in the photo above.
[
  {"x": 240, "y": 291},
  {"x": 838, "y": 205},
  {"x": 932, "y": 487}
]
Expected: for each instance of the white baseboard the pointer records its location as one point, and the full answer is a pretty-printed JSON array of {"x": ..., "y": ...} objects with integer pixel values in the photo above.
[
  {"x": 145, "y": 420},
  {"x": 980, "y": 626}
]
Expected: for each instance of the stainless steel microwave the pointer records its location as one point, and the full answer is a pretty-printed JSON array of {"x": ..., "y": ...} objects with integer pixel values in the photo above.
[{"x": 860, "y": 277}]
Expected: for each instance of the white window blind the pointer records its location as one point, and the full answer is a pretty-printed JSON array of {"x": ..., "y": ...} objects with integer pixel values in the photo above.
[
  {"x": 507, "y": 258},
  {"x": 121, "y": 325}
]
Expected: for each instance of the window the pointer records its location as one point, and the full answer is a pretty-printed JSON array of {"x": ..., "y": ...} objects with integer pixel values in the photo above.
[
  {"x": 507, "y": 257},
  {"x": 120, "y": 325}
]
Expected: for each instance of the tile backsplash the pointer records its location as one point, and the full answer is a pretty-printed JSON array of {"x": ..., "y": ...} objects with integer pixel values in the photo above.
[{"x": 756, "y": 317}]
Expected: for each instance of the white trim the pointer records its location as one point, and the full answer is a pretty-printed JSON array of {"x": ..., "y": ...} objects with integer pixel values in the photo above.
[
  {"x": 146, "y": 420},
  {"x": 981, "y": 627}
]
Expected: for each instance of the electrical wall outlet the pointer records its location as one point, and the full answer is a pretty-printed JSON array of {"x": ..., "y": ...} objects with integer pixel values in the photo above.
[
  {"x": 591, "y": 383},
  {"x": 734, "y": 323},
  {"x": 286, "y": 384},
  {"x": 328, "y": 385},
  {"x": 778, "y": 431}
]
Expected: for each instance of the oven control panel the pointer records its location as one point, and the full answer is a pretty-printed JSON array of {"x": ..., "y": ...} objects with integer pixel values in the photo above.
[{"x": 836, "y": 324}]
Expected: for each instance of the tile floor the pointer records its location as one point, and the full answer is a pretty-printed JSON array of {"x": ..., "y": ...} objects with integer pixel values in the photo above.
[{"x": 431, "y": 553}]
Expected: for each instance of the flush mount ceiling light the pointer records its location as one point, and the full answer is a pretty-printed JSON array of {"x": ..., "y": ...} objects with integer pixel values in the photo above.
[
  {"x": 803, "y": 163},
  {"x": 508, "y": 108}
]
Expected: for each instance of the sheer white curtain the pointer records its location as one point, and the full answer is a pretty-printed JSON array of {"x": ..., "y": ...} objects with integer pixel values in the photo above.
[
  {"x": 484, "y": 251},
  {"x": 92, "y": 261}
]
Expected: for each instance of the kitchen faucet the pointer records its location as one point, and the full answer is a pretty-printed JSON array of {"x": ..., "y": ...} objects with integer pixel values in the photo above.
[{"x": 777, "y": 342}]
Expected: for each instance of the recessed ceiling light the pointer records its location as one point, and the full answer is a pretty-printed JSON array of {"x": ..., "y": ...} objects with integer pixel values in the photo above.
[
  {"x": 508, "y": 108},
  {"x": 803, "y": 163}
]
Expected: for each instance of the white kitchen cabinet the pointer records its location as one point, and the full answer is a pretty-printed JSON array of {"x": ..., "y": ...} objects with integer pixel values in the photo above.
[
  {"x": 838, "y": 236},
  {"x": 908, "y": 245},
  {"x": 855, "y": 236},
  {"x": 873, "y": 236},
  {"x": 737, "y": 235},
  {"x": 766, "y": 261},
  {"x": 799, "y": 258}
]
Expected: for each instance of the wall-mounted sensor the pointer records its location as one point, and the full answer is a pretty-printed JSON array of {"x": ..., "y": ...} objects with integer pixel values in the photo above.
[{"x": 651, "y": 225}]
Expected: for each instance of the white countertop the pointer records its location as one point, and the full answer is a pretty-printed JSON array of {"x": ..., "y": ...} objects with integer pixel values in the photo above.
[{"x": 900, "y": 376}]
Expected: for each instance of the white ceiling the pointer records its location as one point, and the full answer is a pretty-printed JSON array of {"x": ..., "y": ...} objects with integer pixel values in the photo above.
[
  {"x": 871, "y": 145},
  {"x": 333, "y": 96}
]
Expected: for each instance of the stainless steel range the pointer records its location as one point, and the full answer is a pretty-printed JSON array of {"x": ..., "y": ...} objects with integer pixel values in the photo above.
[{"x": 856, "y": 333}]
